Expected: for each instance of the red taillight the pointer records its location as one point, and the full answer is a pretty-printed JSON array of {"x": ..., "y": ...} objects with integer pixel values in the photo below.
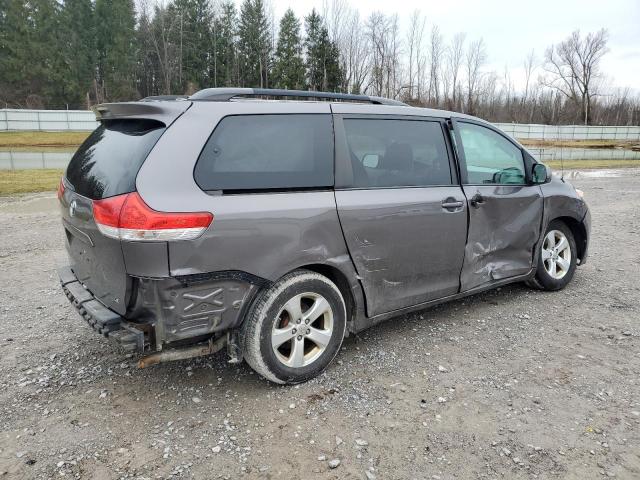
[
  {"x": 61, "y": 188},
  {"x": 127, "y": 217},
  {"x": 107, "y": 211}
]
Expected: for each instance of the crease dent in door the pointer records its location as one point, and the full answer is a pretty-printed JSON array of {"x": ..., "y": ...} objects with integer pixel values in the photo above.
[
  {"x": 406, "y": 248},
  {"x": 505, "y": 249}
]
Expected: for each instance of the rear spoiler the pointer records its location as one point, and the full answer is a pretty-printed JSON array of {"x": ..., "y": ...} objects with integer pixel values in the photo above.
[{"x": 163, "y": 111}]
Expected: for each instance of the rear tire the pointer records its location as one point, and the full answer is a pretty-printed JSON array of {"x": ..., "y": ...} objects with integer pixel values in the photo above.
[
  {"x": 295, "y": 328},
  {"x": 557, "y": 259}
]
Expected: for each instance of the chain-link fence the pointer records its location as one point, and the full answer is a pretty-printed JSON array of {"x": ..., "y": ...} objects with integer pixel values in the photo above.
[
  {"x": 47, "y": 120},
  {"x": 569, "y": 132},
  {"x": 578, "y": 145},
  {"x": 15, "y": 119}
]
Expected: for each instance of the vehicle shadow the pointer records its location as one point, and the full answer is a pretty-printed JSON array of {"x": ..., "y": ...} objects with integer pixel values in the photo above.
[{"x": 390, "y": 335}]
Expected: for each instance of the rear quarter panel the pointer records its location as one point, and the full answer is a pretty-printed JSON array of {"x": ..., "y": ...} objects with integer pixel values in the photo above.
[{"x": 265, "y": 234}]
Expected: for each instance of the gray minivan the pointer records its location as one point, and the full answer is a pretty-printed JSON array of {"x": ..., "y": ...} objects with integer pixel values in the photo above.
[{"x": 275, "y": 222}]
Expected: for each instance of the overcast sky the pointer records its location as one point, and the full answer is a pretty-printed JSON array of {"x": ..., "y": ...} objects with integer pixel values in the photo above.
[{"x": 511, "y": 29}]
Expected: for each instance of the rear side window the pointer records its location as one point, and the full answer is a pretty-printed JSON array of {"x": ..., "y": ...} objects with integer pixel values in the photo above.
[
  {"x": 397, "y": 153},
  {"x": 107, "y": 163},
  {"x": 259, "y": 152}
]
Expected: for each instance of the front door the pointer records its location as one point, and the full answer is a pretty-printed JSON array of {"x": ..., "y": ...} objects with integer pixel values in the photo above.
[
  {"x": 505, "y": 209},
  {"x": 403, "y": 215}
]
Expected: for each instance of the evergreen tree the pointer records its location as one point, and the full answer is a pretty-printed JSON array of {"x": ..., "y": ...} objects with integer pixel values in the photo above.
[
  {"x": 313, "y": 28},
  {"x": 165, "y": 39},
  {"x": 14, "y": 55},
  {"x": 78, "y": 51},
  {"x": 288, "y": 69},
  {"x": 115, "y": 44},
  {"x": 254, "y": 45},
  {"x": 146, "y": 63},
  {"x": 323, "y": 59},
  {"x": 224, "y": 71},
  {"x": 333, "y": 72},
  {"x": 34, "y": 53},
  {"x": 193, "y": 36}
]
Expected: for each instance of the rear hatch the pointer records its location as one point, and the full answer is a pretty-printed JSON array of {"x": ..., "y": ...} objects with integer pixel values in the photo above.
[{"x": 105, "y": 165}]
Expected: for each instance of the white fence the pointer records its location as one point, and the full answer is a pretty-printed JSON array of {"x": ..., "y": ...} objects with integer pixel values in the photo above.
[
  {"x": 19, "y": 160},
  {"x": 13, "y": 119},
  {"x": 569, "y": 132}
]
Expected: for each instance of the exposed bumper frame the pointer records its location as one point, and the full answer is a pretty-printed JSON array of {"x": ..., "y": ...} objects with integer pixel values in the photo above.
[
  {"x": 148, "y": 337},
  {"x": 101, "y": 319}
]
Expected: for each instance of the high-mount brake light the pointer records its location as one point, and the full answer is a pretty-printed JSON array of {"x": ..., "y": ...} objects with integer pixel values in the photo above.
[{"x": 127, "y": 217}]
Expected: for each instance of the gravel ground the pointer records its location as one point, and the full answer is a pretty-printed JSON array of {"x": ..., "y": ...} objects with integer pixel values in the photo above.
[{"x": 512, "y": 383}]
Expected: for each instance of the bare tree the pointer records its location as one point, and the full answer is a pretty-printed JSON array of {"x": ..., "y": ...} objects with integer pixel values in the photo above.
[
  {"x": 336, "y": 14},
  {"x": 356, "y": 53},
  {"x": 393, "y": 67},
  {"x": 161, "y": 32},
  {"x": 421, "y": 62},
  {"x": 530, "y": 64},
  {"x": 573, "y": 68},
  {"x": 435, "y": 61},
  {"x": 475, "y": 58},
  {"x": 383, "y": 33},
  {"x": 506, "y": 96},
  {"x": 414, "y": 44},
  {"x": 454, "y": 58},
  {"x": 529, "y": 67}
]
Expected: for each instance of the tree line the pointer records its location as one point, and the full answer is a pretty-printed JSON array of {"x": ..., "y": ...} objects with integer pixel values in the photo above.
[{"x": 76, "y": 53}]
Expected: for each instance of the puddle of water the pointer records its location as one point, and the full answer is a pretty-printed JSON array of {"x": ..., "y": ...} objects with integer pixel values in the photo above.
[{"x": 10, "y": 160}]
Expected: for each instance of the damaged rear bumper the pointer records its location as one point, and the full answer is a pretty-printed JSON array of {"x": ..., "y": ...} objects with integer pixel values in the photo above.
[
  {"x": 168, "y": 312},
  {"x": 103, "y": 320}
]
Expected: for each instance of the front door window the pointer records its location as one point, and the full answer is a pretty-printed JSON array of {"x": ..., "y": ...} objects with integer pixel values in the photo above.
[{"x": 489, "y": 157}]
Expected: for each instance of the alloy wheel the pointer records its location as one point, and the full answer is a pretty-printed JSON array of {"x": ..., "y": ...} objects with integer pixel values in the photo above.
[
  {"x": 556, "y": 254},
  {"x": 302, "y": 330}
]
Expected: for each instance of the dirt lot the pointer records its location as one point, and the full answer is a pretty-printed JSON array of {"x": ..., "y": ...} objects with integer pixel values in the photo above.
[{"x": 509, "y": 384}]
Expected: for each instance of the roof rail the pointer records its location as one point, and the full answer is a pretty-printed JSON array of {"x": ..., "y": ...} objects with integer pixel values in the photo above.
[{"x": 226, "y": 94}]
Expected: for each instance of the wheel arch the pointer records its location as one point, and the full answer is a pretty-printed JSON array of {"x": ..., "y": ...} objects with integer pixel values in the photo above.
[
  {"x": 341, "y": 281},
  {"x": 578, "y": 231}
]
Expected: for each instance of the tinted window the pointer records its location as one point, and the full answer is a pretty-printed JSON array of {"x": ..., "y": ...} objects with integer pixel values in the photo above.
[
  {"x": 397, "y": 153},
  {"x": 490, "y": 158},
  {"x": 107, "y": 163},
  {"x": 254, "y": 152}
]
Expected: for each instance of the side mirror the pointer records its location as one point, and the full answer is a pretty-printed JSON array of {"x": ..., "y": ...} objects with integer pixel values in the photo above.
[
  {"x": 370, "y": 160},
  {"x": 540, "y": 173}
]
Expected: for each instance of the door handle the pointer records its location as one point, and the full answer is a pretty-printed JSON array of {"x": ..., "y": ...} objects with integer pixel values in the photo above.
[
  {"x": 451, "y": 204},
  {"x": 476, "y": 200}
]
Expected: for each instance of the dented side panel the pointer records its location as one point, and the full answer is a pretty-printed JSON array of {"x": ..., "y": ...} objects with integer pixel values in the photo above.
[
  {"x": 503, "y": 231},
  {"x": 266, "y": 235},
  {"x": 407, "y": 248},
  {"x": 561, "y": 200}
]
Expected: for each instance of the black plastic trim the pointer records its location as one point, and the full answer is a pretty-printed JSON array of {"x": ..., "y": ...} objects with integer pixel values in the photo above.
[{"x": 237, "y": 275}]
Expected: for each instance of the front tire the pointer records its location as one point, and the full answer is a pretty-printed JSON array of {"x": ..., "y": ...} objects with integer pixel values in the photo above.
[
  {"x": 557, "y": 259},
  {"x": 294, "y": 328}
]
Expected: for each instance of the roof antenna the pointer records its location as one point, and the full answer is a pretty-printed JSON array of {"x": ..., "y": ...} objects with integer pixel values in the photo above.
[{"x": 561, "y": 164}]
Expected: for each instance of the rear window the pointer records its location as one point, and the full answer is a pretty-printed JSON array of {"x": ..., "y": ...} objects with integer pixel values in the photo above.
[
  {"x": 260, "y": 152},
  {"x": 107, "y": 163}
]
